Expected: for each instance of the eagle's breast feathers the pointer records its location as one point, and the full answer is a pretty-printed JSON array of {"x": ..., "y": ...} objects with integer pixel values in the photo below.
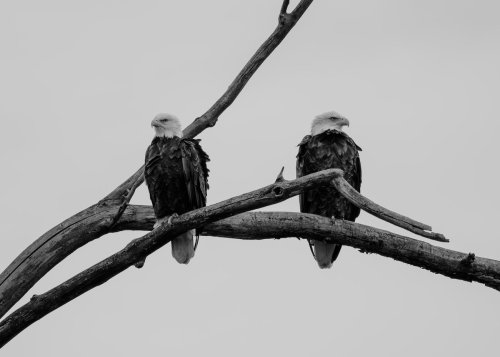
[{"x": 176, "y": 174}]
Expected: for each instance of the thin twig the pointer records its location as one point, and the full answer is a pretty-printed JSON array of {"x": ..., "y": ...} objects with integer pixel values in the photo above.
[
  {"x": 280, "y": 177},
  {"x": 284, "y": 7}
]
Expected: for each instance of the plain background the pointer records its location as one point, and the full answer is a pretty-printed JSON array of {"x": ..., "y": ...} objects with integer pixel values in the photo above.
[{"x": 419, "y": 81}]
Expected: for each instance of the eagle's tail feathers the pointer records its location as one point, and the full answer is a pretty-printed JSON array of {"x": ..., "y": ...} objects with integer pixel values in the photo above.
[
  {"x": 325, "y": 253},
  {"x": 183, "y": 247}
]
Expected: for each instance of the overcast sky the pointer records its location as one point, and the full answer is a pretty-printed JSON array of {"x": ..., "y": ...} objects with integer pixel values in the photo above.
[{"x": 420, "y": 84}]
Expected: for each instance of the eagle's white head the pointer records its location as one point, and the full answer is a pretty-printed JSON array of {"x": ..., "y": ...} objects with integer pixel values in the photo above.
[
  {"x": 328, "y": 121},
  {"x": 166, "y": 125}
]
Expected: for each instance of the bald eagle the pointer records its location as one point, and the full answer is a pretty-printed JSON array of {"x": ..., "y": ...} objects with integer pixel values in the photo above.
[
  {"x": 328, "y": 147},
  {"x": 176, "y": 175}
]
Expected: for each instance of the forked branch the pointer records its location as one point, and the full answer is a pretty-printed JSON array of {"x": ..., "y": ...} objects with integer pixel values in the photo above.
[
  {"x": 113, "y": 213},
  {"x": 97, "y": 220},
  {"x": 383, "y": 213},
  {"x": 138, "y": 249},
  {"x": 284, "y": 7}
]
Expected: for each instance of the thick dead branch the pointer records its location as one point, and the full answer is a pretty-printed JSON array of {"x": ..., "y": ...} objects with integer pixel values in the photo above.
[
  {"x": 453, "y": 264},
  {"x": 255, "y": 226},
  {"x": 55, "y": 245},
  {"x": 138, "y": 249},
  {"x": 52, "y": 247},
  {"x": 383, "y": 213},
  {"x": 268, "y": 225}
]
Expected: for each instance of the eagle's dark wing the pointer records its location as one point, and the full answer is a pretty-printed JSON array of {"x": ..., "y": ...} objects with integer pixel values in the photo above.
[
  {"x": 194, "y": 163},
  {"x": 354, "y": 174},
  {"x": 300, "y": 169},
  {"x": 165, "y": 177},
  {"x": 152, "y": 163}
]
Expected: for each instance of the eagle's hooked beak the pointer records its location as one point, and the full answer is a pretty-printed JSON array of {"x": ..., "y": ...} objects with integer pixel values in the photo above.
[
  {"x": 345, "y": 122},
  {"x": 155, "y": 123}
]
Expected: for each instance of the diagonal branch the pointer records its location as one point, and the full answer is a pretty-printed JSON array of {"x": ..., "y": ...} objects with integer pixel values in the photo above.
[
  {"x": 210, "y": 118},
  {"x": 97, "y": 220},
  {"x": 383, "y": 213},
  {"x": 123, "y": 194},
  {"x": 49, "y": 249},
  {"x": 138, "y": 249}
]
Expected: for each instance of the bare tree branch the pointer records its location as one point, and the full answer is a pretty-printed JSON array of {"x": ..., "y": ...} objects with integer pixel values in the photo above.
[
  {"x": 95, "y": 221},
  {"x": 138, "y": 249},
  {"x": 284, "y": 7},
  {"x": 383, "y": 213},
  {"x": 266, "y": 225},
  {"x": 113, "y": 213},
  {"x": 285, "y": 25},
  {"x": 48, "y": 250},
  {"x": 255, "y": 226}
]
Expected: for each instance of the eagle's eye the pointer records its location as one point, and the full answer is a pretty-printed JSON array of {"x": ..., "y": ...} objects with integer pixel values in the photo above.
[{"x": 163, "y": 120}]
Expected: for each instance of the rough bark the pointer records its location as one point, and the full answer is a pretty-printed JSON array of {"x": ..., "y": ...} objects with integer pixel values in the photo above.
[
  {"x": 95, "y": 221},
  {"x": 447, "y": 262},
  {"x": 254, "y": 226},
  {"x": 268, "y": 225},
  {"x": 138, "y": 249}
]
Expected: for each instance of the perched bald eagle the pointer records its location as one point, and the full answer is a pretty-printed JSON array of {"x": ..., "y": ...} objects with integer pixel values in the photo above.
[
  {"x": 328, "y": 147},
  {"x": 176, "y": 175}
]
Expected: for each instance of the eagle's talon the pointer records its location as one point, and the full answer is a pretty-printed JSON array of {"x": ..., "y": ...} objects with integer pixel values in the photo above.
[
  {"x": 169, "y": 220},
  {"x": 160, "y": 221}
]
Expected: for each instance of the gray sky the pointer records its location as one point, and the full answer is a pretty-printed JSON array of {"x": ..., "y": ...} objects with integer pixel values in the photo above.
[{"x": 419, "y": 82}]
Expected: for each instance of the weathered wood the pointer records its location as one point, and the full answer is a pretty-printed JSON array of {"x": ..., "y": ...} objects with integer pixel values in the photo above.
[
  {"x": 268, "y": 225},
  {"x": 453, "y": 264},
  {"x": 95, "y": 221},
  {"x": 253, "y": 226},
  {"x": 48, "y": 250},
  {"x": 383, "y": 213},
  {"x": 138, "y": 249}
]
